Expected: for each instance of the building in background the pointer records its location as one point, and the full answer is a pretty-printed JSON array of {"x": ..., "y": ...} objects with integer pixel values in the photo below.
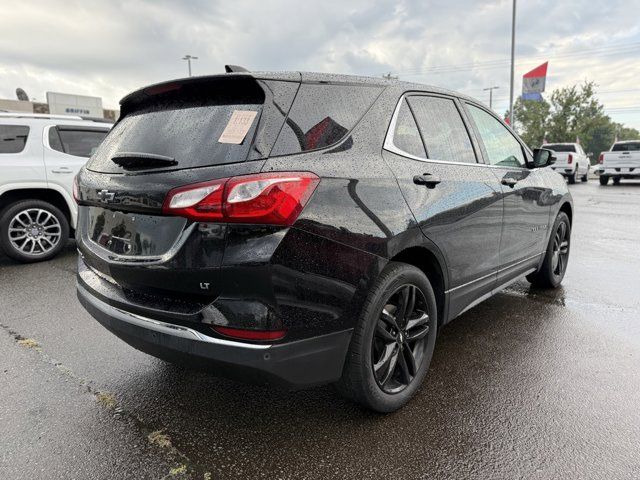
[{"x": 62, "y": 104}]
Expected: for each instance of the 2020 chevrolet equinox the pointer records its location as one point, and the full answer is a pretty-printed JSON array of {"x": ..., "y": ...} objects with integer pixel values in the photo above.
[{"x": 299, "y": 229}]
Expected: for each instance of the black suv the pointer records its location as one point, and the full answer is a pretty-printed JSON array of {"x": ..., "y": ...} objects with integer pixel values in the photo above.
[{"x": 299, "y": 229}]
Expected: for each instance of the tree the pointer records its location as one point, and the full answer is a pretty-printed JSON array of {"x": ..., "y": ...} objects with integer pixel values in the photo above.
[
  {"x": 572, "y": 113},
  {"x": 531, "y": 120}
]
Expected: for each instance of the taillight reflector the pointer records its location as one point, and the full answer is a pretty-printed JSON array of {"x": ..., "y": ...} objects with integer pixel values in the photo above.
[
  {"x": 569, "y": 159},
  {"x": 250, "y": 334},
  {"x": 275, "y": 198},
  {"x": 76, "y": 189},
  {"x": 601, "y": 158}
]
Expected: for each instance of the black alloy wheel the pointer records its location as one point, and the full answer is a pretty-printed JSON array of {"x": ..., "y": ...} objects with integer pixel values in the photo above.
[
  {"x": 560, "y": 250},
  {"x": 398, "y": 344},
  {"x": 556, "y": 259}
]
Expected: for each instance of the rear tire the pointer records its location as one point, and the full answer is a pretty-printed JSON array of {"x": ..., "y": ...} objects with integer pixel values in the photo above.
[
  {"x": 556, "y": 258},
  {"x": 571, "y": 178},
  {"x": 604, "y": 180},
  {"x": 33, "y": 231},
  {"x": 386, "y": 386}
]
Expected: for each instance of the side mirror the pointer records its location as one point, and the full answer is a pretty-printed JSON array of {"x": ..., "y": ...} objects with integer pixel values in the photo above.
[{"x": 543, "y": 157}]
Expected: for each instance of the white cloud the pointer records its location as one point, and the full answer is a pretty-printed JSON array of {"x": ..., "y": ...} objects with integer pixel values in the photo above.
[{"x": 110, "y": 48}]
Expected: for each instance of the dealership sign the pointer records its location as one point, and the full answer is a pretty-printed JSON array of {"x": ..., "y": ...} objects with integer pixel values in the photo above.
[
  {"x": 66, "y": 104},
  {"x": 533, "y": 83}
]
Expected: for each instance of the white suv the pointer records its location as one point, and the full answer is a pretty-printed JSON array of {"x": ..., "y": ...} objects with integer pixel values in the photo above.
[{"x": 39, "y": 157}]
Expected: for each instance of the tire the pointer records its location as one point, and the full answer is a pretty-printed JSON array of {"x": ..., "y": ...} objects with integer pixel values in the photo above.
[
  {"x": 604, "y": 180},
  {"x": 571, "y": 178},
  {"x": 616, "y": 180},
  {"x": 552, "y": 270},
  {"x": 585, "y": 177},
  {"x": 373, "y": 337},
  {"x": 45, "y": 226}
]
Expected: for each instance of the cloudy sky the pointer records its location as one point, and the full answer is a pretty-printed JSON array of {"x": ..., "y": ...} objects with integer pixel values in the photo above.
[{"x": 107, "y": 48}]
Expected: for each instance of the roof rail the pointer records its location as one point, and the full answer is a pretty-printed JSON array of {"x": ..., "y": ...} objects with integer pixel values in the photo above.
[
  {"x": 38, "y": 115},
  {"x": 97, "y": 119}
]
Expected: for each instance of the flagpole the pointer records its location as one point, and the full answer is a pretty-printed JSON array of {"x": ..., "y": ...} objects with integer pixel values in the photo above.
[{"x": 513, "y": 46}]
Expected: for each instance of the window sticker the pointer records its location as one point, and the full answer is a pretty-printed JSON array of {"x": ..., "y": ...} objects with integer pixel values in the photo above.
[{"x": 238, "y": 126}]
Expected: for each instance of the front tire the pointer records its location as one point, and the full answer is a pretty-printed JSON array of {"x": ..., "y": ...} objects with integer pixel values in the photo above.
[
  {"x": 556, "y": 258},
  {"x": 585, "y": 177},
  {"x": 616, "y": 180},
  {"x": 571, "y": 178},
  {"x": 604, "y": 180},
  {"x": 33, "y": 231},
  {"x": 393, "y": 342}
]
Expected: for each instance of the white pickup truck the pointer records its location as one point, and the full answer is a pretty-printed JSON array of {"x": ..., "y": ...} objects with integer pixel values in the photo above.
[
  {"x": 571, "y": 161},
  {"x": 621, "y": 161}
]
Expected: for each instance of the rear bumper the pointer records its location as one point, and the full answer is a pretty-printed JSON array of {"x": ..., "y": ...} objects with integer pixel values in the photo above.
[
  {"x": 626, "y": 172},
  {"x": 564, "y": 170},
  {"x": 293, "y": 365}
]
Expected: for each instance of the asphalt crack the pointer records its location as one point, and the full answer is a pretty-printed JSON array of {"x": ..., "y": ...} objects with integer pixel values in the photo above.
[{"x": 183, "y": 468}]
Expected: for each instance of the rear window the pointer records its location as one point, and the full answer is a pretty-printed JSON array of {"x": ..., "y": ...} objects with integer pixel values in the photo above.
[
  {"x": 75, "y": 141},
  {"x": 626, "y": 147},
  {"x": 187, "y": 121},
  {"x": 13, "y": 138},
  {"x": 322, "y": 115},
  {"x": 560, "y": 148}
]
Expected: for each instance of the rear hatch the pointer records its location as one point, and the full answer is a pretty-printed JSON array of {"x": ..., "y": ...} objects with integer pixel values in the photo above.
[{"x": 170, "y": 135}]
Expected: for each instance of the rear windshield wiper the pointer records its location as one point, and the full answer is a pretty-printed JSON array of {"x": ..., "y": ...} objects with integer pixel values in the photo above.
[{"x": 142, "y": 160}]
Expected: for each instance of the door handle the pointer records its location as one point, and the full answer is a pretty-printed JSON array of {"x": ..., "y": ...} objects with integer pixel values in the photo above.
[
  {"x": 426, "y": 179},
  {"x": 62, "y": 170},
  {"x": 509, "y": 182}
]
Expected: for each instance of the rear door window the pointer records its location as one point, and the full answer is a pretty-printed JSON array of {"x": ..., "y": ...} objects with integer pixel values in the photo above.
[
  {"x": 322, "y": 115},
  {"x": 13, "y": 138},
  {"x": 76, "y": 141},
  {"x": 406, "y": 136},
  {"x": 442, "y": 128}
]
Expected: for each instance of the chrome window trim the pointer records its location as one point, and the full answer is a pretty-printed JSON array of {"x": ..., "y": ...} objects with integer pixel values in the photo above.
[{"x": 389, "y": 146}]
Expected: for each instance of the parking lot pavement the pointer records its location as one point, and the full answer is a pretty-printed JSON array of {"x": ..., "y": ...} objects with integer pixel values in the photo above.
[{"x": 529, "y": 384}]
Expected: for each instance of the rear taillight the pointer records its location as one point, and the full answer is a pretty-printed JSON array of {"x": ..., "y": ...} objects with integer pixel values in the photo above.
[
  {"x": 569, "y": 159},
  {"x": 244, "y": 334},
  {"x": 275, "y": 198},
  {"x": 601, "y": 158},
  {"x": 76, "y": 189}
]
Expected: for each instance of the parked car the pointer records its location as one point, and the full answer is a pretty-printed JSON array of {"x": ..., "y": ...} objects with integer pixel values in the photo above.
[
  {"x": 301, "y": 229},
  {"x": 39, "y": 157},
  {"x": 571, "y": 161},
  {"x": 621, "y": 161}
]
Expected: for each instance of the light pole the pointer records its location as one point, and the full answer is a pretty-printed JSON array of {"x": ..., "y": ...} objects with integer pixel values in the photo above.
[
  {"x": 188, "y": 58},
  {"x": 513, "y": 53},
  {"x": 491, "y": 89}
]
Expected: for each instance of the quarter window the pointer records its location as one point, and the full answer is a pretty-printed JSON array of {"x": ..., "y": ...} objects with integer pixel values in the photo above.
[
  {"x": 322, "y": 115},
  {"x": 13, "y": 138},
  {"x": 443, "y": 132},
  {"x": 501, "y": 146},
  {"x": 406, "y": 136},
  {"x": 77, "y": 142}
]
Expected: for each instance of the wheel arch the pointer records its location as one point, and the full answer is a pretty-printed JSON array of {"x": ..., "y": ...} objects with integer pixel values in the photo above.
[
  {"x": 568, "y": 209},
  {"x": 433, "y": 267},
  {"x": 52, "y": 196}
]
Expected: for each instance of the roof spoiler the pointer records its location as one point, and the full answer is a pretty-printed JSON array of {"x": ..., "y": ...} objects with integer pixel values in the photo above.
[{"x": 234, "y": 68}]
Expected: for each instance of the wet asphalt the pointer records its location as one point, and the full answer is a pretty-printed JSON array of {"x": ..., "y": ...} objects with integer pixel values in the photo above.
[{"x": 529, "y": 384}]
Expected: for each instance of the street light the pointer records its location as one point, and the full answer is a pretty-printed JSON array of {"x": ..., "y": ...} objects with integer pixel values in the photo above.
[
  {"x": 188, "y": 58},
  {"x": 491, "y": 89},
  {"x": 513, "y": 52}
]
